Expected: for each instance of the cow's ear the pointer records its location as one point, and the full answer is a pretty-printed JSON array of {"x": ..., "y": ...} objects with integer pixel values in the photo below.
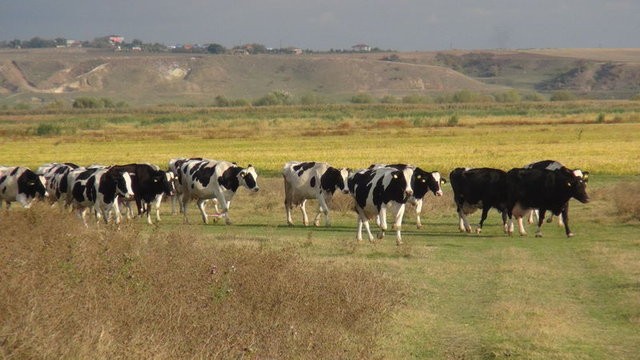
[
  {"x": 585, "y": 176},
  {"x": 419, "y": 177},
  {"x": 155, "y": 180},
  {"x": 443, "y": 181}
]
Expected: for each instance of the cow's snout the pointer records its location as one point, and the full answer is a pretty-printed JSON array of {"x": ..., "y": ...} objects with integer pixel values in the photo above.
[
  {"x": 345, "y": 191},
  {"x": 439, "y": 193},
  {"x": 409, "y": 192},
  {"x": 256, "y": 189}
]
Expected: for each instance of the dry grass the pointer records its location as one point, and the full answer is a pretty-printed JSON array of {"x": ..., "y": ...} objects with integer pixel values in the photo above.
[
  {"x": 69, "y": 292},
  {"x": 626, "y": 197}
]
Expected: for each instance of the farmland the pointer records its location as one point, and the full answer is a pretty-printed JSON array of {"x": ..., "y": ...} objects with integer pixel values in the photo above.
[{"x": 261, "y": 289}]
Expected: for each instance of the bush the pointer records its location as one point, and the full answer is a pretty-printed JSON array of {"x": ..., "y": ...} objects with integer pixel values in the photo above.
[
  {"x": 626, "y": 197},
  {"x": 563, "y": 95},
  {"x": 533, "y": 97},
  {"x": 510, "y": 96},
  {"x": 389, "y": 99},
  {"x": 46, "y": 129},
  {"x": 86, "y": 103},
  {"x": 453, "y": 120},
  {"x": 635, "y": 97},
  {"x": 416, "y": 99},
  {"x": 362, "y": 98},
  {"x": 274, "y": 98},
  {"x": 600, "y": 118}
]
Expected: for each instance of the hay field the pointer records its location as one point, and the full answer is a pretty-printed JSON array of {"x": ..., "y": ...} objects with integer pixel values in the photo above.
[{"x": 261, "y": 289}]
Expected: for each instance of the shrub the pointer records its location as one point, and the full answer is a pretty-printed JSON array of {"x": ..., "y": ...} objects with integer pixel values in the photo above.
[
  {"x": 362, "y": 98},
  {"x": 600, "y": 118},
  {"x": 416, "y": 99},
  {"x": 626, "y": 197},
  {"x": 635, "y": 97},
  {"x": 510, "y": 96},
  {"x": 86, "y": 103},
  {"x": 222, "y": 101},
  {"x": 274, "y": 98},
  {"x": 563, "y": 95},
  {"x": 533, "y": 97},
  {"x": 46, "y": 129},
  {"x": 388, "y": 99},
  {"x": 453, "y": 120}
]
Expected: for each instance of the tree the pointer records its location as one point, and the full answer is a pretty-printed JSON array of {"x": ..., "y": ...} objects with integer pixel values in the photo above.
[{"x": 216, "y": 49}]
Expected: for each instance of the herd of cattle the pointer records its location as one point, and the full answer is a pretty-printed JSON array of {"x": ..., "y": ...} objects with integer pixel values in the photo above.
[{"x": 542, "y": 186}]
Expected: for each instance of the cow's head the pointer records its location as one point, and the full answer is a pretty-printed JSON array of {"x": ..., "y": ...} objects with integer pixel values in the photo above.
[
  {"x": 578, "y": 188},
  {"x": 335, "y": 179},
  {"x": 29, "y": 187},
  {"x": 123, "y": 185},
  {"x": 423, "y": 181},
  {"x": 248, "y": 178},
  {"x": 402, "y": 178},
  {"x": 169, "y": 183}
]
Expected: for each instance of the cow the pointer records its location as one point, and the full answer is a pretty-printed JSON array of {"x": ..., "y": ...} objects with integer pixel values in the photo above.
[
  {"x": 544, "y": 190},
  {"x": 99, "y": 189},
  {"x": 20, "y": 184},
  {"x": 312, "y": 180},
  {"x": 212, "y": 179},
  {"x": 376, "y": 189},
  {"x": 175, "y": 166},
  {"x": 481, "y": 188},
  {"x": 421, "y": 182},
  {"x": 56, "y": 180},
  {"x": 557, "y": 166},
  {"x": 149, "y": 184}
]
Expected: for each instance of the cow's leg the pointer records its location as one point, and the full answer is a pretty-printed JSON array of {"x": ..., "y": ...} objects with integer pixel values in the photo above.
[
  {"x": 183, "y": 206},
  {"x": 505, "y": 224},
  {"x": 288, "y": 206},
  {"x": 418, "y": 211},
  {"x": 82, "y": 212},
  {"x": 564, "y": 216},
  {"x": 398, "y": 223},
  {"x": 363, "y": 220},
  {"x": 157, "y": 204},
  {"x": 541, "y": 215},
  {"x": 533, "y": 213},
  {"x": 464, "y": 222},
  {"x": 323, "y": 208},
  {"x": 483, "y": 217},
  {"x": 383, "y": 220},
  {"x": 203, "y": 212},
  {"x": 227, "y": 220},
  {"x": 303, "y": 208}
]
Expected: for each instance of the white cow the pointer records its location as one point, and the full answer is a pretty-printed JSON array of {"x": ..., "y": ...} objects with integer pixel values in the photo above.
[
  {"x": 212, "y": 179},
  {"x": 312, "y": 180}
]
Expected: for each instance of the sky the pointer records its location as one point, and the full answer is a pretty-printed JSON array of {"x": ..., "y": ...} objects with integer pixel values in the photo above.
[{"x": 403, "y": 25}]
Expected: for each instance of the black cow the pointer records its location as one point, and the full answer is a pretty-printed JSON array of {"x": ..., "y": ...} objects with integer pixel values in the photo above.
[
  {"x": 545, "y": 190},
  {"x": 481, "y": 188},
  {"x": 374, "y": 190},
  {"x": 149, "y": 184},
  {"x": 556, "y": 166},
  {"x": 19, "y": 184}
]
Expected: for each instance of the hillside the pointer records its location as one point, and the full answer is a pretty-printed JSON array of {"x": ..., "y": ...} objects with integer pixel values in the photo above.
[{"x": 138, "y": 79}]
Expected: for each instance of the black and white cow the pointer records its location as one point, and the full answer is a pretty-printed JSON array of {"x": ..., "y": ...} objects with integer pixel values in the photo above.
[
  {"x": 99, "y": 189},
  {"x": 56, "y": 180},
  {"x": 421, "y": 182},
  {"x": 19, "y": 184},
  {"x": 374, "y": 190},
  {"x": 556, "y": 166},
  {"x": 312, "y": 180},
  {"x": 149, "y": 184},
  {"x": 211, "y": 179},
  {"x": 481, "y": 188},
  {"x": 175, "y": 167},
  {"x": 544, "y": 190}
]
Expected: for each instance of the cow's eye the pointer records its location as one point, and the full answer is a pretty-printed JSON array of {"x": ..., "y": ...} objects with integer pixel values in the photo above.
[
  {"x": 569, "y": 184},
  {"x": 423, "y": 180},
  {"x": 395, "y": 176},
  {"x": 419, "y": 177},
  {"x": 155, "y": 180}
]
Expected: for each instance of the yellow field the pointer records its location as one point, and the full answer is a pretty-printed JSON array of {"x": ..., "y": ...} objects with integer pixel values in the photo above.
[{"x": 475, "y": 141}]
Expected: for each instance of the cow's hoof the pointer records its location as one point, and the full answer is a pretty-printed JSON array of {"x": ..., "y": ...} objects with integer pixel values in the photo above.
[
  {"x": 478, "y": 231},
  {"x": 420, "y": 226},
  {"x": 570, "y": 234},
  {"x": 399, "y": 242},
  {"x": 538, "y": 235},
  {"x": 381, "y": 235}
]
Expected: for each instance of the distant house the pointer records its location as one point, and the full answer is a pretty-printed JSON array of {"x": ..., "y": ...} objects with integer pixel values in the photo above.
[
  {"x": 294, "y": 51},
  {"x": 361, "y": 48},
  {"x": 116, "y": 39},
  {"x": 74, "y": 43}
]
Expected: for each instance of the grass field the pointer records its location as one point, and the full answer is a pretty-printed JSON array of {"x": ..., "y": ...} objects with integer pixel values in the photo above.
[{"x": 261, "y": 289}]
